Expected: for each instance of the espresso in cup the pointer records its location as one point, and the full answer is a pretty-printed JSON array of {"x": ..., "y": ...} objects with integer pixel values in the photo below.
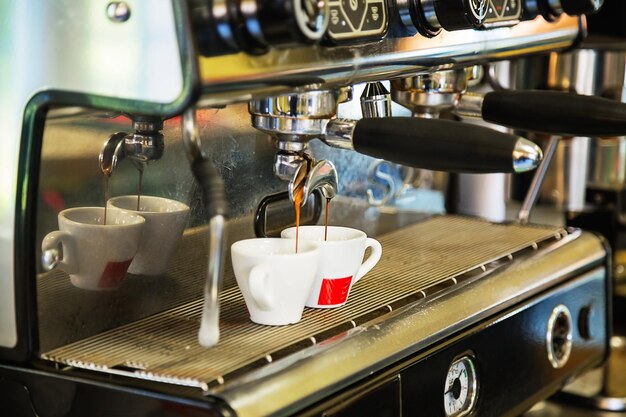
[
  {"x": 96, "y": 256},
  {"x": 341, "y": 261},
  {"x": 274, "y": 280}
]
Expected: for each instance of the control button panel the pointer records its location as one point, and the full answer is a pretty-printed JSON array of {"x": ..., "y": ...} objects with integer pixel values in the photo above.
[
  {"x": 355, "y": 20},
  {"x": 503, "y": 12}
]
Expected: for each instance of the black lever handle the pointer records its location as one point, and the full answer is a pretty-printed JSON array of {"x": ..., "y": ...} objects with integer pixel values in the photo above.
[
  {"x": 444, "y": 145},
  {"x": 555, "y": 112}
]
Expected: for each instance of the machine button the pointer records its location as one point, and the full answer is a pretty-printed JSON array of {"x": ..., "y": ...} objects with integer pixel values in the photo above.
[
  {"x": 559, "y": 336},
  {"x": 357, "y": 20},
  {"x": 497, "y": 7},
  {"x": 375, "y": 17},
  {"x": 354, "y": 11},
  {"x": 584, "y": 322},
  {"x": 503, "y": 12},
  {"x": 338, "y": 22}
]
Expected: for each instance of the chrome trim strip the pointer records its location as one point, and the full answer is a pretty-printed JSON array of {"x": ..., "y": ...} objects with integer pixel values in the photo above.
[{"x": 240, "y": 77}]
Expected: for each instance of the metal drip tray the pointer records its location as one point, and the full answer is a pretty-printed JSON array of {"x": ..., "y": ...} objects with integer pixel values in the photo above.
[{"x": 417, "y": 261}]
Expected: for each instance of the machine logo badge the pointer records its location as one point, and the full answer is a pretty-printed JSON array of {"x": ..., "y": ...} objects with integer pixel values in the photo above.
[{"x": 479, "y": 9}]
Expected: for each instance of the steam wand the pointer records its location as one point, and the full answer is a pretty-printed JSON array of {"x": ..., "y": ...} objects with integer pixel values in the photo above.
[{"x": 215, "y": 204}]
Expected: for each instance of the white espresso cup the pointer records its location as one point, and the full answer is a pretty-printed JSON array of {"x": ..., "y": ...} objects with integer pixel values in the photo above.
[
  {"x": 96, "y": 256},
  {"x": 341, "y": 264},
  {"x": 165, "y": 223},
  {"x": 274, "y": 280}
]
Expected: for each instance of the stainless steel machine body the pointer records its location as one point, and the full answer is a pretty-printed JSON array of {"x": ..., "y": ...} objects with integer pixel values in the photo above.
[
  {"x": 169, "y": 87},
  {"x": 448, "y": 289},
  {"x": 597, "y": 68},
  {"x": 584, "y": 185}
]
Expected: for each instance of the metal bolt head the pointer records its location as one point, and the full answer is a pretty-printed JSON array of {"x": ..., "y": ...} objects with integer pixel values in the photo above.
[
  {"x": 50, "y": 259},
  {"x": 118, "y": 11}
]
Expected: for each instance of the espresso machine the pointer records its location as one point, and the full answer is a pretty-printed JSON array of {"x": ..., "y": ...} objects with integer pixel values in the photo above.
[
  {"x": 231, "y": 106},
  {"x": 581, "y": 183}
]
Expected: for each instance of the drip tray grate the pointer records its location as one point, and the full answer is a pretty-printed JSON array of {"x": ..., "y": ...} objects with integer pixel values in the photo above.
[{"x": 417, "y": 261}]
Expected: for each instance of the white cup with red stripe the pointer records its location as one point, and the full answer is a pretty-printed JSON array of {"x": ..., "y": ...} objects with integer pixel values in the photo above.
[
  {"x": 96, "y": 256},
  {"x": 341, "y": 261}
]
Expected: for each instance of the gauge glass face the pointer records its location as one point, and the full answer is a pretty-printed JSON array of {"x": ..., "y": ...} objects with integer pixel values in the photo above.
[{"x": 461, "y": 388}]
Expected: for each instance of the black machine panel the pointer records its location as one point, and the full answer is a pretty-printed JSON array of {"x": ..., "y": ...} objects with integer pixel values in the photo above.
[
  {"x": 512, "y": 349},
  {"x": 508, "y": 354}
]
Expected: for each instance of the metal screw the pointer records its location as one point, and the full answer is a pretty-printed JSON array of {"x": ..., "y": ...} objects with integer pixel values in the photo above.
[{"x": 118, "y": 11}]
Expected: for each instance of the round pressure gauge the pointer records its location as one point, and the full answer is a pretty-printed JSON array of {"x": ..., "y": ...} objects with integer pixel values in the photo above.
[{"x": 461, "y": 389}]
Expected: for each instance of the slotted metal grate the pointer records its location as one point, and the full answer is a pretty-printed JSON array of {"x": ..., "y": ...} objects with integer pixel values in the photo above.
[{"x": 163, "y": 347}]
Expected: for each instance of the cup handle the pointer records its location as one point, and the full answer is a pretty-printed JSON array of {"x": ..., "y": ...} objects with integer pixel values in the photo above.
[
  {"x": 372, "y": 260},
  {"x": 51, "y": 242},
  {"x": 258, "y": 283}
]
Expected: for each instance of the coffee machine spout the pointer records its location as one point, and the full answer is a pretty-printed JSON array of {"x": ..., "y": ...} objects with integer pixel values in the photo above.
[
  {"x": 112, "y": 153},
  {"x": 321, "y": 175},
  {"x": 143, "y": 146}
]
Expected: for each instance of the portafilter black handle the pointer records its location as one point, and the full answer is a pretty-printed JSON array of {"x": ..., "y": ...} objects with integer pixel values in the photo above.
[
  {"x": 555, "y": 112},
  {"x": 440, "y": 145}
]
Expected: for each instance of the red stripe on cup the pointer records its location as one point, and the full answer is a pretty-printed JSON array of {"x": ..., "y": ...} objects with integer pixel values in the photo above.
[
  {"x": 334, "y": 291},
  {"x": 113, "y": 274}
]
